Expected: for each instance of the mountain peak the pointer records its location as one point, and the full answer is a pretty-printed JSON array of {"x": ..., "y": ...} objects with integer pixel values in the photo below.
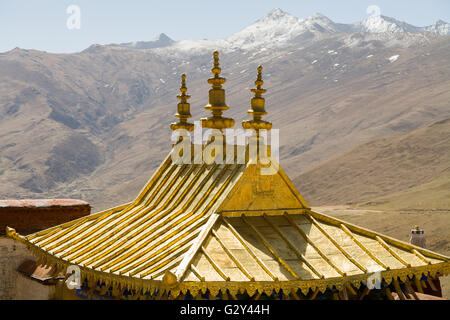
[
  {"x": 319, "y": 18},
  {"x": 320, "y": 23},
  {"x": 439, "y": 27},
  {"x": 275, "y": 27},
  {"x": 164, "y": 37},
  {"x": 160, "y": 41},
  {"x": 319, "y": 15},
  {"x": 276, "y": 14},
  {"x": 380, "y": 24}
]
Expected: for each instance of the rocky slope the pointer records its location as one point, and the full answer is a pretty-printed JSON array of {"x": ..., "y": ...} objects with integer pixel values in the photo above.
[
  {"x": 95, "y": 124},
  {"x": 403, "y": 171}
]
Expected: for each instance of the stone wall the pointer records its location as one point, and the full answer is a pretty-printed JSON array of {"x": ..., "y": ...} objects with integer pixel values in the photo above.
[
  {"x": 28, "y": 216},
  {"x": 13, "y": 284}
]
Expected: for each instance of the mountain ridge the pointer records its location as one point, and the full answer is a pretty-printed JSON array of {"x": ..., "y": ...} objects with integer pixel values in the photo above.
[
  {"x": 328, "y": 92},
  {"x": 161, "y": 41},
  {"x": 279, "y": 27}
]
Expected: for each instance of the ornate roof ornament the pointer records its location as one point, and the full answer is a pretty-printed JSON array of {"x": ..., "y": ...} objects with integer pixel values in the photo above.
[
  {"x": 183, "y": 110},
  {"x": 257, "y": 109},
  {"x": 217, "y": 100}
]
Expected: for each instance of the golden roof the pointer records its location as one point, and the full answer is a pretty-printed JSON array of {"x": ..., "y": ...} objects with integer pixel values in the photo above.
[{"x": 198, "y": 227}]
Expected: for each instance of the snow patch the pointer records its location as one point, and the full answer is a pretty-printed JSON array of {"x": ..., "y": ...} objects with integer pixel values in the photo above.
[{"x": 394, "y": 58}]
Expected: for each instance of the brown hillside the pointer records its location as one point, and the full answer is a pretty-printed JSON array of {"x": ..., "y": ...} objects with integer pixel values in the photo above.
[
  {"x": 114, "y": 106},
  {"x": 383, "y": 166}
]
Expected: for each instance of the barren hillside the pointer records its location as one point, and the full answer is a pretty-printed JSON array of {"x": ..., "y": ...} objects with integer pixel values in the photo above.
[
  {"x": 94, "y": 125},
  {"x": 404, "y": 171}
]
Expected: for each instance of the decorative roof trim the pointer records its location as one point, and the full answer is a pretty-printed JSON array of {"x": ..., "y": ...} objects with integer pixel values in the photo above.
[{"x": 235, "y": 287}]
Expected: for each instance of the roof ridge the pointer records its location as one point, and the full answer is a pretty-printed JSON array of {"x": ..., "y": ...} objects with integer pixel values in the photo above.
[{"x": 189, "y": 256}]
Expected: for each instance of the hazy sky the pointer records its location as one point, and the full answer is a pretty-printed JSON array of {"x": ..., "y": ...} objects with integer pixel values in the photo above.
[{"x": 42, "y": 24}]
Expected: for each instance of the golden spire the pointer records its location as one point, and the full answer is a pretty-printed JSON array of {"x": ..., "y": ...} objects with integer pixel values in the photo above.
[
  {"x": 217, "y": 100},
  {"x": 183, "y": 110},
  {"x": 257, "y": 109}
]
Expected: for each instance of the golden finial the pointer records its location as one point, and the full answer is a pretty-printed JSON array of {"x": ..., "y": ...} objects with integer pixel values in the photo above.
[
  {"x": 184, "y": 109},
  {"x": 216, "y": 70},
  {"x": 183, "y": 97},
  {"x": 10, "y": 232},
  {"x": 259, "y": 82},
  {"x": 257, "y": 109},
  {"x": 217, "y": 100}
]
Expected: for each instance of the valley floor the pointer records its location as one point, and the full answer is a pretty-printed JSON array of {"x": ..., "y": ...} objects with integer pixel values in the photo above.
[{"x": 398, "y": 224}]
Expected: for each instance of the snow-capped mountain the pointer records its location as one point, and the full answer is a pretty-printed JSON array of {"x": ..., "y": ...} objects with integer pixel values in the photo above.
[
  {"x": 439, "y": 27},
  {"x": 277, "y": 25},
  {"x": 381, "y": 24},
  {"x": 322, "y": 24},
  {"x": 279, "y": 28}
]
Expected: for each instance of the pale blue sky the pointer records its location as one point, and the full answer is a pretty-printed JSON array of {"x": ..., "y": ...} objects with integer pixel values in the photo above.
[{"x": 42, "y": 24}]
